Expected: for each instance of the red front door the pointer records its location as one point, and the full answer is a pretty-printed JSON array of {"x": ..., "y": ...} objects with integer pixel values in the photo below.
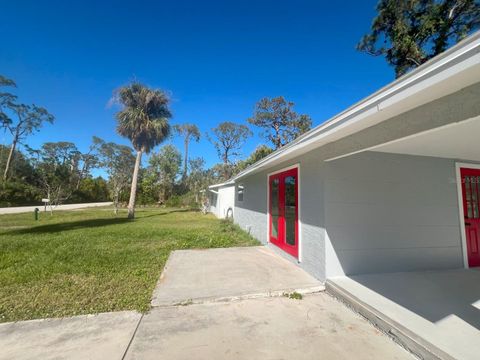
[
  {"x": 283, "y": 227},
  {"x": 471, "y": 210}
]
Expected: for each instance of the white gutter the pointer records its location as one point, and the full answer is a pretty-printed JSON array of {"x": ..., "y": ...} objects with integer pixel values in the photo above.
[
  {"x": 374, "y": 103},
  {"x": 226, "y": 183}
]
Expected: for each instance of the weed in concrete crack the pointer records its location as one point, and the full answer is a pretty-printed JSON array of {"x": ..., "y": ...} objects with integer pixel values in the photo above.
[
  {"x": 186, "y": 302},
  {"x": 293, "y": 295}
]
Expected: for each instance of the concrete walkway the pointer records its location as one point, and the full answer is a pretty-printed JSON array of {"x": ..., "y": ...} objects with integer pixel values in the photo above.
[
  {"x": 216, "y": 274},
  {"x": 102, "y": 336},
  {"x": 434, "y": 313},
  {"x": 232, "y": 308},
  {"x": 25, "y": 209},
  {"x": 317, "y": 327}
]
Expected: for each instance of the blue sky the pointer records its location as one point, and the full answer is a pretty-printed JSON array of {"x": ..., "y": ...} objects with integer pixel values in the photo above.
[{"x": 215, "y": 58}]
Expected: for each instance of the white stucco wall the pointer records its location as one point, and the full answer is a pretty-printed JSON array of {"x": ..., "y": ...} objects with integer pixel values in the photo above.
[{"x": 222, "y": 201}]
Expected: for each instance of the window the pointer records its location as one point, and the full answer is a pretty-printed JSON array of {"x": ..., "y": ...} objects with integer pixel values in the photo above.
[
  {"x": 240, "y": 192},
  {"x": 274, "y": 209},
  {"x": 290, "y": 209}
]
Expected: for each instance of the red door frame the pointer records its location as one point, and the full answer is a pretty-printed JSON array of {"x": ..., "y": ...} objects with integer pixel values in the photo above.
[
  {"x": 280, "y": 241},
  {"x": 471, "y": 218}
]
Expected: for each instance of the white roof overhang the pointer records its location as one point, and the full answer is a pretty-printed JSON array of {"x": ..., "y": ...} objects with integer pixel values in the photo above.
[{"x": 454, "y": 141}]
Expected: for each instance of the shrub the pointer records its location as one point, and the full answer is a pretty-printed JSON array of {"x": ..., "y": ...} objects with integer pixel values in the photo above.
[{"x": 14, "y": 193}]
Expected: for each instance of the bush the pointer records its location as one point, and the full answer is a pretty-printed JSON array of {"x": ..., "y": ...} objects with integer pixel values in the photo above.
[
  {"x": 173, "y": 201},
  {"x": 13, "y": 193},
  {"x": 184, "y": 201},
  {"x": 90, "y": 190}
]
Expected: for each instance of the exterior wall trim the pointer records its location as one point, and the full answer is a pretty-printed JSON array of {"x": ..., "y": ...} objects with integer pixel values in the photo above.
[
  {"x": 458, "y": 166},
  {"x": 294, "y": 166}
]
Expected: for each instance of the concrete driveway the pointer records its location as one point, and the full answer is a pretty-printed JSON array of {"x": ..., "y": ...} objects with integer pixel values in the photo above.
[{"x": 231, "y": 307}]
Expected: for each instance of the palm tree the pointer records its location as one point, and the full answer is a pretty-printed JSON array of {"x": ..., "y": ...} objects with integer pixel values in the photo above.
[
  {"x": 144, "y": 121},
  {"x": 188, "y": 131}
]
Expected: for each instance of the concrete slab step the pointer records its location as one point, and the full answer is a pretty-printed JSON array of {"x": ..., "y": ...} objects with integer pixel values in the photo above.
[
  {"x": 400, "y": 334},
  {"x": 196, "y": 276}
]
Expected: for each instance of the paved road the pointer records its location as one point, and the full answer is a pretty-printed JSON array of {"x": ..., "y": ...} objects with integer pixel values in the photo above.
[{"x": 24, "y": 209}]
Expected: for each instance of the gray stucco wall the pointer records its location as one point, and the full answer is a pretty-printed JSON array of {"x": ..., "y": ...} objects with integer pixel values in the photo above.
[
  {"x": 389, "y": 212},
  {"x": 373, "y": 212},
  {"x": 251, "y": 214},
  {"x": 370, "y": 212}
]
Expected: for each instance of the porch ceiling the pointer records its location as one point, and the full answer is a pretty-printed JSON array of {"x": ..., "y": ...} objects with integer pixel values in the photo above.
[{"x": 455, "y": 141}]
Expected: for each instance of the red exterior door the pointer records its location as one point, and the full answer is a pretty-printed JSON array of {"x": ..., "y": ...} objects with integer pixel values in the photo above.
[
  {"x": 283, "y": 222},
  {"x": 471, "y": 210}
]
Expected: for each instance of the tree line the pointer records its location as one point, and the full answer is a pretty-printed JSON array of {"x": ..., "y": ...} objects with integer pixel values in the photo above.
[{"x": 62, "y": 173}]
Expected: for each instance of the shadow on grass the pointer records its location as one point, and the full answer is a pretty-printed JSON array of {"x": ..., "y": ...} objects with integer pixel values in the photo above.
[
  {"x": 167, "y": 213},
  {"x": 67, "y": 226},
  {"x": 84, "y": 224}
]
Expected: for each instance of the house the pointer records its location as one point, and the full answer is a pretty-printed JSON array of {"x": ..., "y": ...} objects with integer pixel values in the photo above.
[
  {"x": 388, "y": 185},
  {"x": 221, "y": 198},
  {"x": 382, "y": 203}
]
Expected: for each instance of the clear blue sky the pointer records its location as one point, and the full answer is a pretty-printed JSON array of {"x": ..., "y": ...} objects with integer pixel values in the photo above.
[{"x": 216, "y": 58}]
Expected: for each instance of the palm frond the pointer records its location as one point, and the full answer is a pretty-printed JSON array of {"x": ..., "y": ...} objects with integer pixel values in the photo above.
[{"x": 144, "y": 116}]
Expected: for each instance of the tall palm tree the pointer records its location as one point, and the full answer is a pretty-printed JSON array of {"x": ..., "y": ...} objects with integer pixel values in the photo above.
[
  {"x": 188, "y": 131},
  {"x": 143, "y": 119}
]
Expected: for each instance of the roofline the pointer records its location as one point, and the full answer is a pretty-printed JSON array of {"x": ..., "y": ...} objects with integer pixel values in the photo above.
[
  {"x": 423, "y": 72},
  {"x": 226, "y": 183}
]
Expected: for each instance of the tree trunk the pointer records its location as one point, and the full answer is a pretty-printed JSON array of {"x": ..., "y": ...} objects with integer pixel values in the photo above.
[
  {"x": 133, "y": 189},
  {"x": 9, "y": 159},
  {"x": 185, "y": 167},
  {"x": 115, "y": 204}
]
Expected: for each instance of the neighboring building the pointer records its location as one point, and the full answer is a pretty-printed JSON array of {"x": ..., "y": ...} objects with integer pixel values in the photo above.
[
  {"x": 390, "y": 184},
  {"x": 221, "y": 198}
]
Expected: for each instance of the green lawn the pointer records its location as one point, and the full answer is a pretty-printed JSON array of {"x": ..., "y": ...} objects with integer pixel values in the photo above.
[{"x": 88, "y": 261}]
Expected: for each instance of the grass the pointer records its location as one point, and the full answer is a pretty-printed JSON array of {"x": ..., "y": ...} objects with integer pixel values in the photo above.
[{"x": 89, "y": 261}]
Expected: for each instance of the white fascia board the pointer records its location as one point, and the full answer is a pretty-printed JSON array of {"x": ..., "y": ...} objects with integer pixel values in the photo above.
[
  {"x": 219, "y": 185},
  {"x": 437, "y": 70}
]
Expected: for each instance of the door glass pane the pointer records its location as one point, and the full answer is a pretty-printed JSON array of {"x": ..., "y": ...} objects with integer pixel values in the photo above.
[
  {"x": 274, "y": 207},
  {"x": 290, "y": 210},
  {"x": 474, "y": 188},
  {"x": 468, "y": 196}
]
